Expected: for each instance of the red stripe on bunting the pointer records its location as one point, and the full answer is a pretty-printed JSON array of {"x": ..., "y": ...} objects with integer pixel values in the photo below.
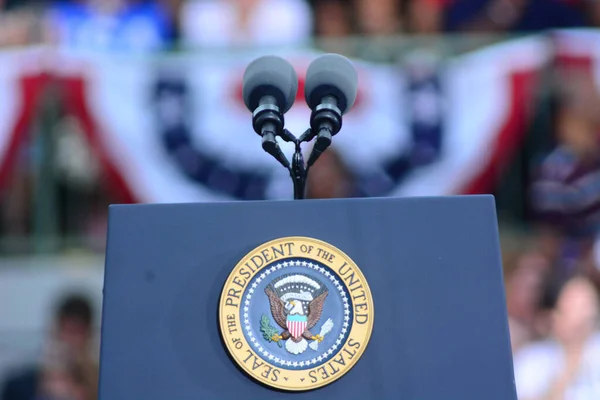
[
  {"x": 31, "y": 88},
  {"x": 509, "y": 137},
  {"x": 76, "y": 95}
]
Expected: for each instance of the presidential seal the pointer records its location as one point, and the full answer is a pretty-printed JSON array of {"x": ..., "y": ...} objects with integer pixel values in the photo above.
[{"x": 296, "y": 313}]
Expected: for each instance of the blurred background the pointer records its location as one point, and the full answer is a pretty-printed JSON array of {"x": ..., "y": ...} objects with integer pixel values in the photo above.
[{"x": 125, "y": 101}]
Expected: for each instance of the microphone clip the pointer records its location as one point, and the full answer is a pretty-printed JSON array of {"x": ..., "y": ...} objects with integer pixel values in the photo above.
[
  {"x": 326, "y": 116},
  {"x": 267, "y": 114},
  {"x": 267, "y": 121},
  {"x": 325, "y": 122}
]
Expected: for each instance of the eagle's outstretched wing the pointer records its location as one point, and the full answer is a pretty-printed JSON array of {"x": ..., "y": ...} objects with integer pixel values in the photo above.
[
  {"x": 315, "y": 309},
  {"x": 276, "y": 308}
]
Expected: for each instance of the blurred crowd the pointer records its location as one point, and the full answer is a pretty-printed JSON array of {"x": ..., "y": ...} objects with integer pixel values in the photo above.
[
  {"x": 551, "y": 259},
  {"x": 146, "y": 25}
]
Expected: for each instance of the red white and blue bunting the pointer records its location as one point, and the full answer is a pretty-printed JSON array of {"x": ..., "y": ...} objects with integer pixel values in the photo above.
[{"x": 175, "y": 129}]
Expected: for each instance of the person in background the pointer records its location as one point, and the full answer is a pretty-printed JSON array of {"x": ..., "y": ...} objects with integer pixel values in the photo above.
[
  {"x": 63, "y": 378},
  {"x": 425, "y": 17},
  {"x": 19, "y": 22},
  {"x": 109, "y": 25},
  {"x": 526, "y": 275},
  {"x": 330, "y": 178},
  {"x": 331, "y": 19},
  {"x": 225, "y": 23},
  {"x": 566, "y": 366},
  {"x": 378, "y": 18},
  {"x": 68, "y": 367},
  {"x": 565, "y": 193},
  {"x": 332, "y": 25}
]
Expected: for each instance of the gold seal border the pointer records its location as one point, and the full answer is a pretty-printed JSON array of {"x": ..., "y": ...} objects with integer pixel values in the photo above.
[{"x": 227, "y": 338}]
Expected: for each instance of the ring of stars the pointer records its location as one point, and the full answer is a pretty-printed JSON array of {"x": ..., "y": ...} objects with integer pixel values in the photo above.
[{"x": 263, "y": 351}]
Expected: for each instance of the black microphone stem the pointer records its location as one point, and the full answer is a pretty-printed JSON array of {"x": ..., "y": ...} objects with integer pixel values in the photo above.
[{"x": 298, "y": 173}]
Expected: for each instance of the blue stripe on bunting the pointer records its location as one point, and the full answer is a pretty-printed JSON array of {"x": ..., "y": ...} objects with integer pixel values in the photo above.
[{"x": 172, "y": 104}]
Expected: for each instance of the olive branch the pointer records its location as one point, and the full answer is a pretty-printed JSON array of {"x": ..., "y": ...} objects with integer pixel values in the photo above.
[{"x": 268, "y": 330}]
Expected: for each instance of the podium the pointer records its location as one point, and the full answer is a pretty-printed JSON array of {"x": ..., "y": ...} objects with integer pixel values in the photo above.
[{"x": 433, "y": 267}]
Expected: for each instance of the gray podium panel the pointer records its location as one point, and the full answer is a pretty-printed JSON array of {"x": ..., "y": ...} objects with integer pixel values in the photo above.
[{"x": 433, "y": 266}]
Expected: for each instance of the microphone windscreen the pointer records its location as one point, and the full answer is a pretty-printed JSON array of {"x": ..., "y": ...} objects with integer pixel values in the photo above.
[
  {"x": 331, "y": 75},
  {"x": 270, "y": 76}
]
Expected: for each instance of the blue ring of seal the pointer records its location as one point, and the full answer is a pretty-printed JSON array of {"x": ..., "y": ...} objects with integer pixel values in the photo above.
[{"x": 270, "y": 352}]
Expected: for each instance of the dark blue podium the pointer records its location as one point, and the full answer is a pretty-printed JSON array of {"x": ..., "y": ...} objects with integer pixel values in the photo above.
[{"x": 433, "y": 266}]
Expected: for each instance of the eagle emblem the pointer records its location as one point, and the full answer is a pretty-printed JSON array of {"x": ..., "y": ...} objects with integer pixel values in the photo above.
[{"x": 296, "y": 302}]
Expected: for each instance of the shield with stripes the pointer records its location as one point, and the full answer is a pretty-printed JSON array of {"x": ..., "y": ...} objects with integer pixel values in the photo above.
[{"x": 296, "y": 325}]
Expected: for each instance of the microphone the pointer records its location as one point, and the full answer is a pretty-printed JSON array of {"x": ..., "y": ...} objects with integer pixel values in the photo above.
[
  {"x": 330, "y": 91},
  {"x": 269, "y": 90}
]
